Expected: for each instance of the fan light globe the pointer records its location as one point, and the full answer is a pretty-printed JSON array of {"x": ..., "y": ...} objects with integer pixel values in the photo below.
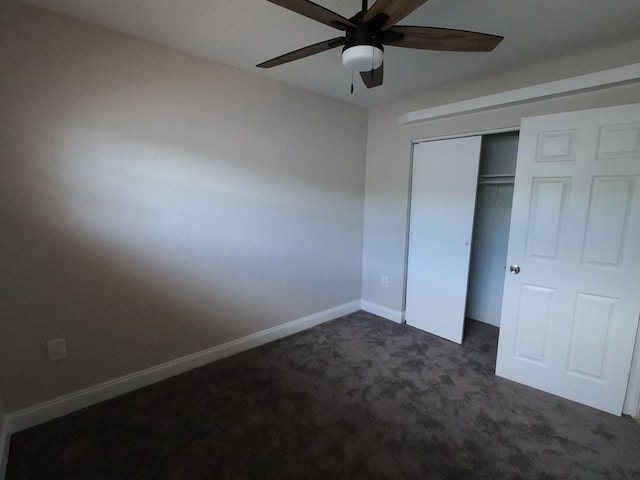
[{"x": 362, "y": 58}]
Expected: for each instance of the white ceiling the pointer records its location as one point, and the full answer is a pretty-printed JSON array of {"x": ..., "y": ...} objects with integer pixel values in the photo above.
[{"x": 243, "y": 33}]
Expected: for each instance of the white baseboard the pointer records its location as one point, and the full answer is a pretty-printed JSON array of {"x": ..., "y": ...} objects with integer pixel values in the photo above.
[
  {"x": 384, "y": 312},
  {"x": 43, "y": 412},
  {"x": 4, "y": 445}
]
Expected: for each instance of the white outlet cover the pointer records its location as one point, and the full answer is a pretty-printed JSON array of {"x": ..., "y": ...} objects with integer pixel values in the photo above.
[{"x": 57, "y": 349}]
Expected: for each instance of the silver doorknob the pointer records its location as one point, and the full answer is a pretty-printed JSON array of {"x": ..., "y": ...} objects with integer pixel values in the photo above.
[{"x": 515, "y": 269}]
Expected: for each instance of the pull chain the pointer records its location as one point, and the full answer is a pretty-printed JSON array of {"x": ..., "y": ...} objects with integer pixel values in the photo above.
[
  {"x": 351, "y": 82},
  {"x": 373, "y": 53}
]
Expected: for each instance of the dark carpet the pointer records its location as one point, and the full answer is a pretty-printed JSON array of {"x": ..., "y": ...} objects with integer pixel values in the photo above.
[{"x": 356, "y": 398}]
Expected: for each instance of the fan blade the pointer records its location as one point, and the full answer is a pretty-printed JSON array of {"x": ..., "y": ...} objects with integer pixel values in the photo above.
[
  {"x": 303, "y": 52},
  {"x": 316, "y": 12},
  {"x": 373, "y": 78},
  {"x": 446, "y": 39},
  {"x": 394, "y": 9}
]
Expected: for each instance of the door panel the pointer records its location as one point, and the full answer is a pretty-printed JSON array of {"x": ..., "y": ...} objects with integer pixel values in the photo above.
[
  {"x": 533, "y": 315},
  {"x": 570, "y": 317},
  {"x": 608, "y": 220},
  {"x": 445, "y": 177},
  {"x": 548, "y": 209},
  {"x": 591, "y": 325}
]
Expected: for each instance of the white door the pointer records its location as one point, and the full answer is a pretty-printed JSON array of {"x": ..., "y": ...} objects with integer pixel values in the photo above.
[
  {"x": 443, "y": 194},
  {"x": 570, "y": 315}
]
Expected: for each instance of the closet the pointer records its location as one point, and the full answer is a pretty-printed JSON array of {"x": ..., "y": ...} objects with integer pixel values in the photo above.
[
  {"x": 461, "y": 196},
  {"x": 569, "y": 231},
  {"x": 491, "y": 227}
]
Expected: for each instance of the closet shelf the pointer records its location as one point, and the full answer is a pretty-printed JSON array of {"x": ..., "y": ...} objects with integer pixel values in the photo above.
[{"x": 496, "y": 179}]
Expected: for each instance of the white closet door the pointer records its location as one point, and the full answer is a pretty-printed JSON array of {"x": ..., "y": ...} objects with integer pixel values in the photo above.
[
  {"x": 443, "y": 194},
  {"x": 570, "y": 310}
]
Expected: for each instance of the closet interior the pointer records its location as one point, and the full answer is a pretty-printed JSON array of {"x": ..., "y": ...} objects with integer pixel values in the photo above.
[{"x": 491, "y": 227}]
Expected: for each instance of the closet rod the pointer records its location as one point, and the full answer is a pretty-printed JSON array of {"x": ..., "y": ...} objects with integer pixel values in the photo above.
[
  {"x": 496, "y": 182},
  {"x": 496, "y": 179},
  {"x": 497, "y": 175}
]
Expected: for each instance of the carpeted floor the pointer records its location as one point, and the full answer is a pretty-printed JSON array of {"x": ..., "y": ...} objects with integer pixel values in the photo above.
[{"x": 356, "y": 398}]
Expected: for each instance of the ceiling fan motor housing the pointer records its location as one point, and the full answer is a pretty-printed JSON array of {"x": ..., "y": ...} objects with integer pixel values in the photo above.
[{"x": 363, "y": 48}]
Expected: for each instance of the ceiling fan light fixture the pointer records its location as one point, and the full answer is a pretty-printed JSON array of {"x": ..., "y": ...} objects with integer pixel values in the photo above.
[{"x": 362, "y": 58}]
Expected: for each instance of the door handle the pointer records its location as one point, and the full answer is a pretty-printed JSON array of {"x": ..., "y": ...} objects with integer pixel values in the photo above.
[{"x": 515, "y": 269}]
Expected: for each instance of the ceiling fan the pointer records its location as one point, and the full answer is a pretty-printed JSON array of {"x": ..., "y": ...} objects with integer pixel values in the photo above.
[{"x": 371, "y": 28}]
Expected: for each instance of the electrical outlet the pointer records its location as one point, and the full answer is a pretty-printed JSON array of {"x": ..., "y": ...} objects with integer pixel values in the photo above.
[
  {"x": 57, "y": 349},
  {"x": 385, "y": 281}
]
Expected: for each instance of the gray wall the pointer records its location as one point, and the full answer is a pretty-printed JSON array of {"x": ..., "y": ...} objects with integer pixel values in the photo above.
[
  {"x": 155, "y": 205},
  {"x": 389, "y": 150}
]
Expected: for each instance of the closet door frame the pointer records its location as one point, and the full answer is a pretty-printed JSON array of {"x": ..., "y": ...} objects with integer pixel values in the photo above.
[
  {"x": 414, "y": 142},
  {"x": 632, "y": 400}
]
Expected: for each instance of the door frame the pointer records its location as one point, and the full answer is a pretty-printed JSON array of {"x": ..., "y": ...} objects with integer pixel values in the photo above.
[{"x": 632, "y": 397}]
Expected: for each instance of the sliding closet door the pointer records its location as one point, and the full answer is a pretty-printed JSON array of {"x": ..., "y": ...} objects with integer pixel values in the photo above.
[{"x": 443, "y": 193}]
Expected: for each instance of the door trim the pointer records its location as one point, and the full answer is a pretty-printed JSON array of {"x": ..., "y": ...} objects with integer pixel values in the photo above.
[
  {"x": 479, "y": 133},
  {"x": 566, "y": 86}
]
